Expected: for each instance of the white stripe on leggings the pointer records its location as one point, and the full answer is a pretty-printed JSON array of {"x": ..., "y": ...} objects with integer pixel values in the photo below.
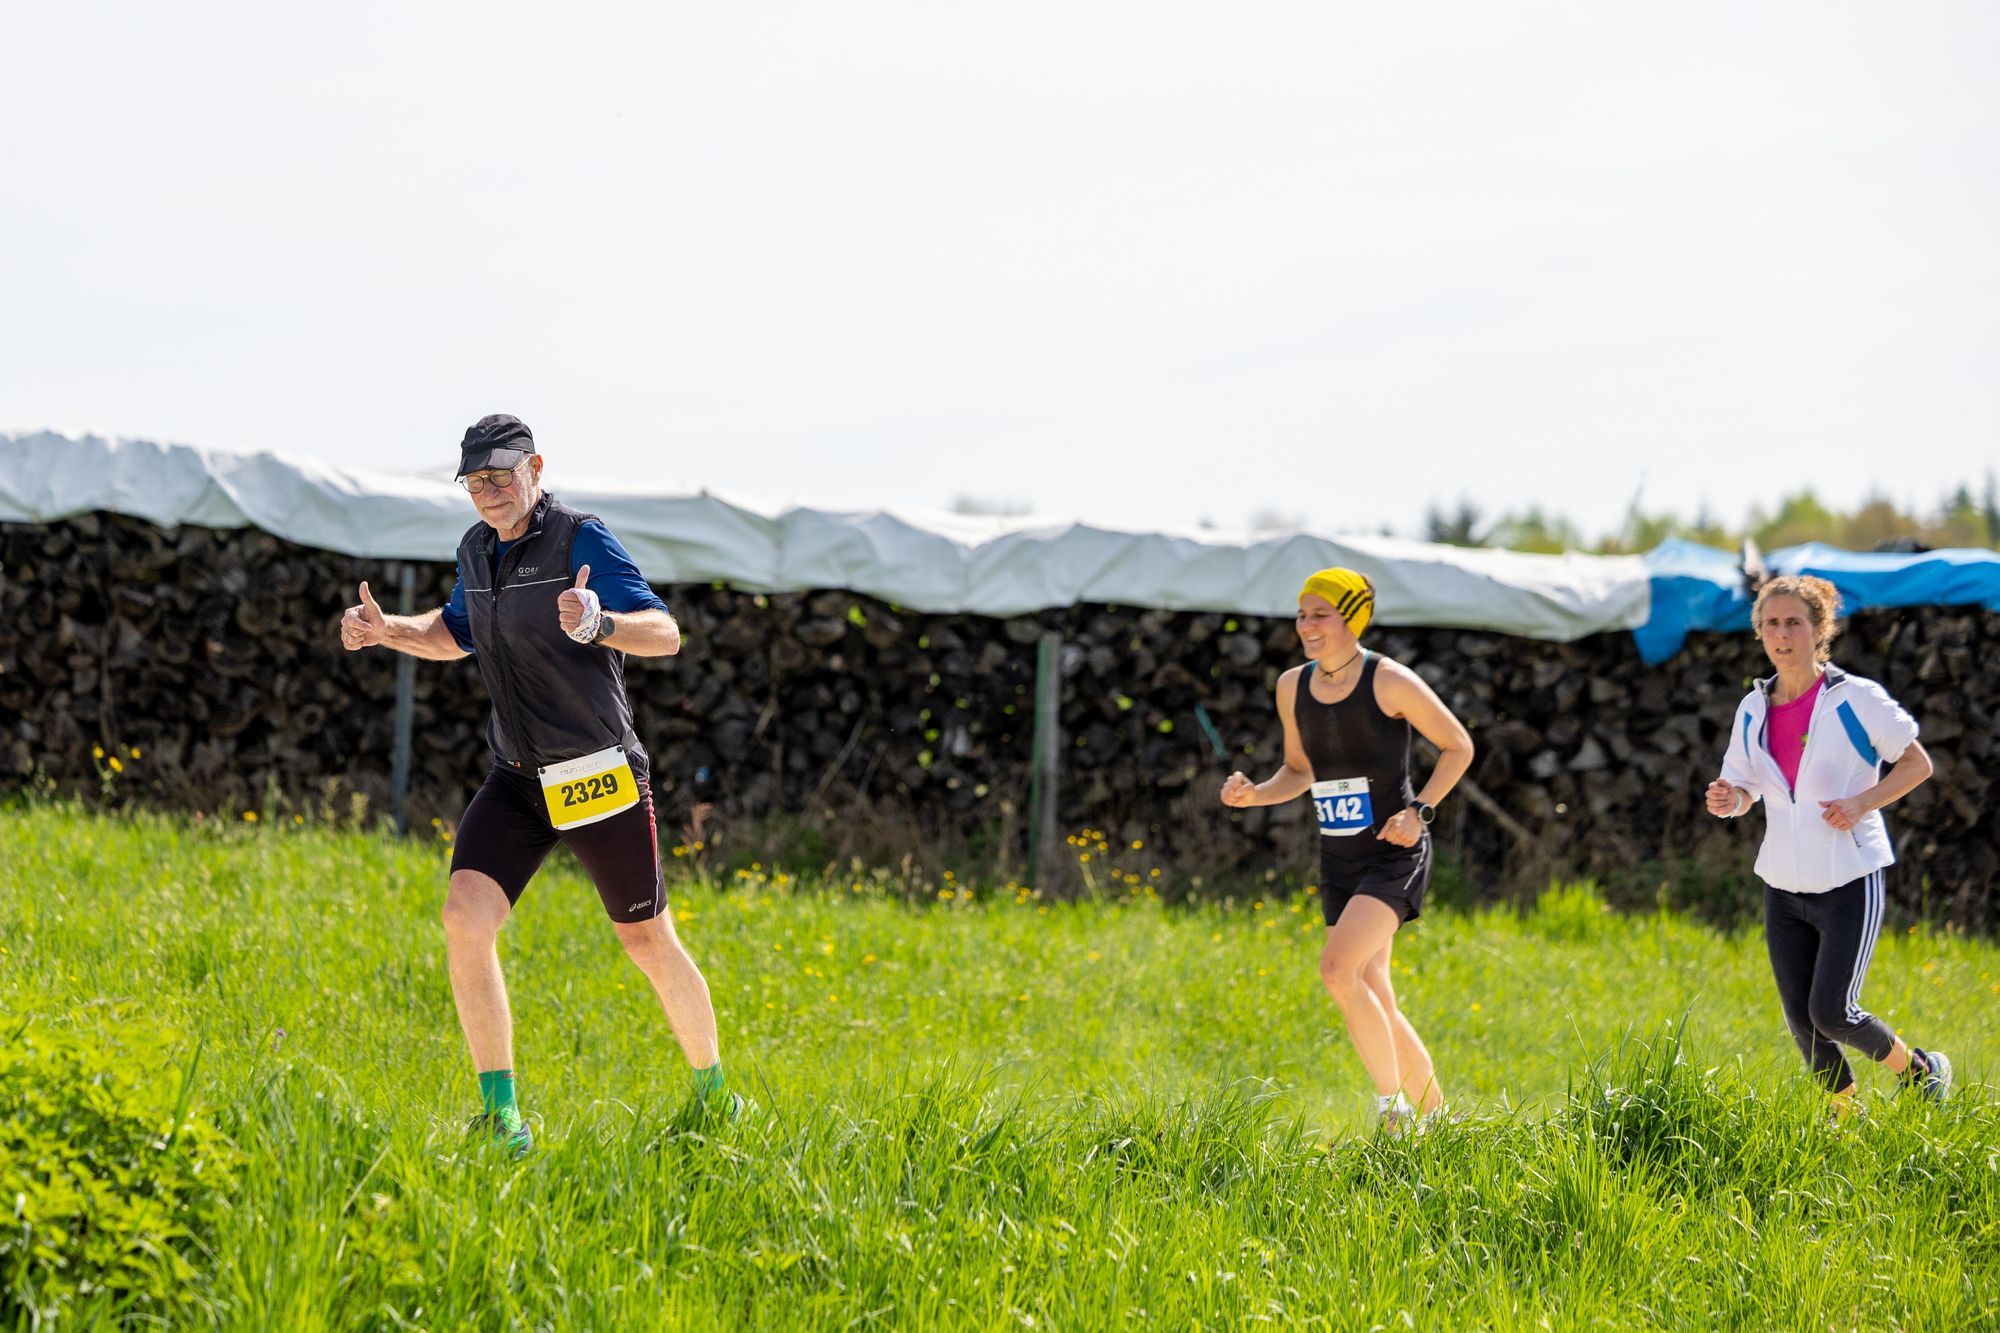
[{"x": 1871, "y": 925}]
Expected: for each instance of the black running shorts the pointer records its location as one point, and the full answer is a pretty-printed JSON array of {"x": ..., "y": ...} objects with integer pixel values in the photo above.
[
  {"x": 506, "y": 834},
  {"x": 1397, "y": 875}
]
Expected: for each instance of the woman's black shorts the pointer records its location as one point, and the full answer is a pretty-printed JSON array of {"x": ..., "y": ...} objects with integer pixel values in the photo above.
[
  {"x": 506, "y": 834},
  {"x": 1397, "y": 875}
]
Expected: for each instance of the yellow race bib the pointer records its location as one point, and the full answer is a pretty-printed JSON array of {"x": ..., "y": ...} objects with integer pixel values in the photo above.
[{"x": 583, "y": 791}]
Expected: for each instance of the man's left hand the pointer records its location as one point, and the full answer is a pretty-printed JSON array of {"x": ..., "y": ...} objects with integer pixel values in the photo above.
[{"x": 579, "y": 610}]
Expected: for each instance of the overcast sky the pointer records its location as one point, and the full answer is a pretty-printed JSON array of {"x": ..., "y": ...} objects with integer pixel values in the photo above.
[{"x": 1142, "y": 263}]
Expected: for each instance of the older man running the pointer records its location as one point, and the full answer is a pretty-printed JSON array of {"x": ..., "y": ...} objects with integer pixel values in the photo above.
[{"x": 549, "y": 603}]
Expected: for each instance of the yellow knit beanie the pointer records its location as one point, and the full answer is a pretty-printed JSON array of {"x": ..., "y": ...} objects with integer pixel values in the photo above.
[{"x": 1352, "y": 596}]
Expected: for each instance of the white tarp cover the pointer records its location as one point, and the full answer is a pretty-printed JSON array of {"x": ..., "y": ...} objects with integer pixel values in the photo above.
[{"x": 926, "y": 560}]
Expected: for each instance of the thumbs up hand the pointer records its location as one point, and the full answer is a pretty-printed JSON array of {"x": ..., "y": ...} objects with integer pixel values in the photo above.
[
  {"x": 363, "y": 626},
  {"x": 578, "y": 609}
]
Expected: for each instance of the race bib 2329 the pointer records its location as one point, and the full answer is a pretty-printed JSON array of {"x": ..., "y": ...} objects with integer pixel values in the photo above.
[{"x": 583, "y": 791}]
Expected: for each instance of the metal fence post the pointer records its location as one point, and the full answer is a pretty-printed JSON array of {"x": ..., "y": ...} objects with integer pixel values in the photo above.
[
  {"x": 406, "y": 685},
  {"x": 1043, "y": 860}
]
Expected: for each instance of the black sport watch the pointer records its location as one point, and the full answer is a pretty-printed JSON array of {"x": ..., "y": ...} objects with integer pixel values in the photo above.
[
  {"x": 606, "y": 627},
  {"x": 1425, "y": 813}
]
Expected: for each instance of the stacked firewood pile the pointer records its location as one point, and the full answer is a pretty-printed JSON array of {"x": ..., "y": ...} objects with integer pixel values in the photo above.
[{"x": 213, "y": 654}]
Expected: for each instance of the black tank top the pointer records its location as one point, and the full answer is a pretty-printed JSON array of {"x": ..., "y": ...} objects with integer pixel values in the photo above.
[{"x": 1350, "y": 740}]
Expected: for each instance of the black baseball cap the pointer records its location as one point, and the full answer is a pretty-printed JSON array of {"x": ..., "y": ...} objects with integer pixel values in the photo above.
[{"x": 495, "y": 442}]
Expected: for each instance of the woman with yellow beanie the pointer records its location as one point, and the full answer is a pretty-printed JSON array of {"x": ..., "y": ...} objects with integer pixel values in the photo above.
[{"x": 1347, "y": 715}]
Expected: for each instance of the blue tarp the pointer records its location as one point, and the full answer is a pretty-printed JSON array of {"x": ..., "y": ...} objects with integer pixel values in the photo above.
[
  {"x": 1694, "y": 587},
  {"x": 1698, "y": 587}
]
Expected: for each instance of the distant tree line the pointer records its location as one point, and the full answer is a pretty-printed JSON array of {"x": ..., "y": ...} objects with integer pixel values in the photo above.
[{"x": 1962, "y": 517}]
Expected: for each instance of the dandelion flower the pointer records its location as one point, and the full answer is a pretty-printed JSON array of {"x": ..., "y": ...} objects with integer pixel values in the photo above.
[{"x": 249, "y": 816}]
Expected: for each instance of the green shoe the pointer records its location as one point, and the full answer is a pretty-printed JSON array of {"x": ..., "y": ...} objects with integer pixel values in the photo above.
[
  {"x": 503, "y": 1127},
  {"x": 727, "y": 1109}
]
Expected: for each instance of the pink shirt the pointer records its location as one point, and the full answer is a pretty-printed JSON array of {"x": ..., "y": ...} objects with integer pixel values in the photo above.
[{"x": 1787, "y": 732}]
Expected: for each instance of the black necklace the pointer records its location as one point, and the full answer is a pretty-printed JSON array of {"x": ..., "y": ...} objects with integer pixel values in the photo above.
[{"x": 1329, "y": 675}]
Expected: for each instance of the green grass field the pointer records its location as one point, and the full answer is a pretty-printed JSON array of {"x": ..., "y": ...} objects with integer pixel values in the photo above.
[{"x": 985, "y": 1112}]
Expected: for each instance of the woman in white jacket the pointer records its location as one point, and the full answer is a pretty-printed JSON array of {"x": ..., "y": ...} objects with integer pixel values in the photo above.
[{"x": 1810, "y": 742}]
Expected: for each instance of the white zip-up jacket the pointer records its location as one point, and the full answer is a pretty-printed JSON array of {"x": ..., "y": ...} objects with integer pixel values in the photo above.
[{"x": 1855, "y": 728}]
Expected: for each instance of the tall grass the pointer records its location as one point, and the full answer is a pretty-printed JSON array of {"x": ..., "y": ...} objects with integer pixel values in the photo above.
[{"x": 999, "y": 1112}]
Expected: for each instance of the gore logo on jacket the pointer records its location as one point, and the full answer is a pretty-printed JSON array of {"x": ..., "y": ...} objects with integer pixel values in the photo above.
[
  {"x": 1855, "y": 728},
  {"x": 553, "y": 698}
]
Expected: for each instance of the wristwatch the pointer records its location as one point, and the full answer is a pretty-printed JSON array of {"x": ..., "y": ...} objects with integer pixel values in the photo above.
[
  {"x": 1425, "y": 813},
  {"x": 605, "y": 626}
]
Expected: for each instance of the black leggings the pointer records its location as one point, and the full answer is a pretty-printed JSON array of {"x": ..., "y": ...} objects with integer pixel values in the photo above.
[{"x": 1820, "y": 945}]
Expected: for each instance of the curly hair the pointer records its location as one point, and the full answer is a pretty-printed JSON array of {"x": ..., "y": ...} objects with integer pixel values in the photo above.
[{"x": 1822, "y": 602}]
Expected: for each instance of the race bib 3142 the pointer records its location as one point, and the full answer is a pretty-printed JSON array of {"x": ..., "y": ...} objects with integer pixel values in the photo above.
[{"x": 1343, "y": 807}]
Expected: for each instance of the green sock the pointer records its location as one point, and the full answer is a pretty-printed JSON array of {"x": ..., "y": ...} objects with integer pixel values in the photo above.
[
  {"x": 496, "y": 1091},
  {"x": 709, "y": 1082}
]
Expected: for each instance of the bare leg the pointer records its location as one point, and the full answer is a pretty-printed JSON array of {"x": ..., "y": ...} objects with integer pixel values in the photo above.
[
  {"x": 475, "y": 907},
  {"x": 1364, "y": 930},
  {"x": 1420, "y": 1083},
  {"x": 657, "y": 951}
]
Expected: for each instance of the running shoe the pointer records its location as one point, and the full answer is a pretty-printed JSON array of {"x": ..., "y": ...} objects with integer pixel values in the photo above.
[
  {"x": 717, "y": 1109},
  {"x": 505, "y": 1128},
  {"x": 1394, "y": 1116},
  {"x": 1934, "y": 1084},
  {"x": 1430, "y": 1120}
]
